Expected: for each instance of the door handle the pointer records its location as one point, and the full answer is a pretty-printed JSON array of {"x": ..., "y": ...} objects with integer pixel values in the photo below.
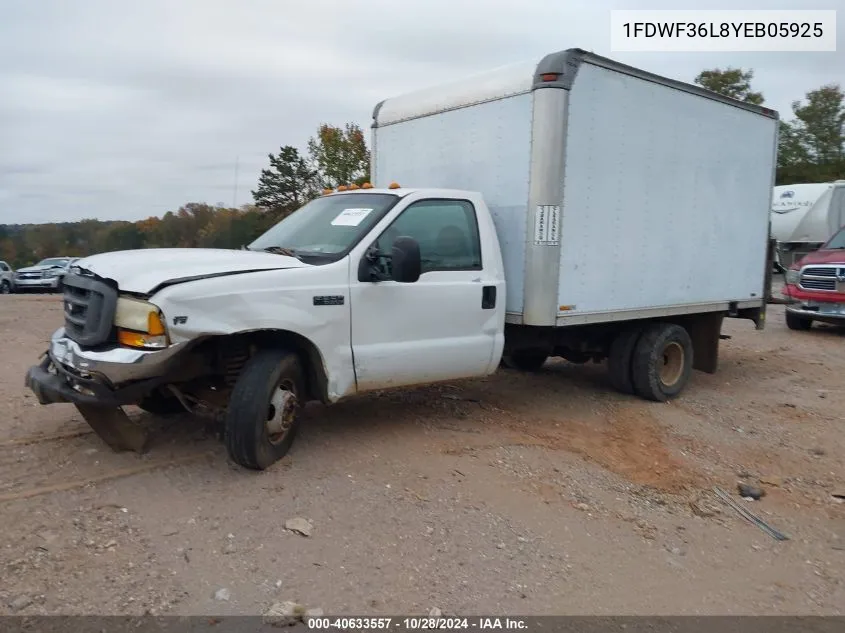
[{"x": 488, "y": 297}]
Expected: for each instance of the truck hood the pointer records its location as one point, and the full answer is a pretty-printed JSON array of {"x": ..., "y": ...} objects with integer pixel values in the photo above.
[
  {"x": 821, "y": 256},
  {"x": 145, "y": 270}
]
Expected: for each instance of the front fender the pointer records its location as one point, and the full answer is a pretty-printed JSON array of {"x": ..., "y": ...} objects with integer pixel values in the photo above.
[{"x": 271, "y": 300}]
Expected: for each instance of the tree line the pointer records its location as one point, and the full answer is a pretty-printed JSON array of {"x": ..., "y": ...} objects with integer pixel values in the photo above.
[
  {"x": 335, "y": 156},
  {"x": 811, "y": 148},
  {"x": 811, "y": 143}
]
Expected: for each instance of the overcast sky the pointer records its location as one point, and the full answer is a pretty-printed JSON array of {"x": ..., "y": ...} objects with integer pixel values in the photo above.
[{"x": 121, "y": 110}]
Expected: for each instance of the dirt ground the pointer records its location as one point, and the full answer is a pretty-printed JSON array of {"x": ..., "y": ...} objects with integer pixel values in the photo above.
[{"x": 516, "y": 494}]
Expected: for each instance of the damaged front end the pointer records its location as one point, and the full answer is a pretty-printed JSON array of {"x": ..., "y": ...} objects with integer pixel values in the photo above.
[{"x": 87, "y": 364}]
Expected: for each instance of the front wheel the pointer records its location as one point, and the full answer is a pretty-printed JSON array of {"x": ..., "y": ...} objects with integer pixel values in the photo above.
[
  {"x": 5, "y": 287},
  {"x": 263, "y": 413},
  {"x": 795, "y": 322}
]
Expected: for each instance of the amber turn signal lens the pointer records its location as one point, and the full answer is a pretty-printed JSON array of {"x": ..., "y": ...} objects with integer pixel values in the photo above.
[
  {"x": 141, "y": 340},
  {"x": 154, "y": 325}
]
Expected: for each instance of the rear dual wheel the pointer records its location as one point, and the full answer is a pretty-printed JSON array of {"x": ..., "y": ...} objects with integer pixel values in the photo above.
[{"x": 653, "y": 362}]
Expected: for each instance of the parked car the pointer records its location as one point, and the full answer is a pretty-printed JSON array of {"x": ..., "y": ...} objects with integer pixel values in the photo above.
[
  {"x": 45, "y": 275},
  {"x": 7, "y": 282},
  {"x": 815, "y": 286}
]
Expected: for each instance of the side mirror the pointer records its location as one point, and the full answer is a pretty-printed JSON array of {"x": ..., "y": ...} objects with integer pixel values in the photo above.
[{"x": 406, "y": 262}]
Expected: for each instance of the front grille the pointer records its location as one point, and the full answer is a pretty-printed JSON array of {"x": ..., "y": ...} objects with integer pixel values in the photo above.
[
  {"x": 821, "y": 278},
  {"x": 89, "y": 309},
  {"x": 37, "y": 275},
  {"x": 818, "y": 271},
  {"x": 818, "y": 284}
]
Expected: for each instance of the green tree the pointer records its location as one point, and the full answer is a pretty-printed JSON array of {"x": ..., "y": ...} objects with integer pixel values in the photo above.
[
  {"x": 791, "y": 145},
  {"x": 731, "y": 82},
  {"x": 123, "y": 236},
  {"x": 340, "y": 155},
  {"x": 821, "y": 124},
  {"x": 287, "y": 184}
]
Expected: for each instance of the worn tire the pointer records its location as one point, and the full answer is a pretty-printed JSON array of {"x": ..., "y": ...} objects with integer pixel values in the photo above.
[
  {"x": 795, "y": 322},
  {"x": 158, "y": 403},
  {"x": 662, "y": 362},
  {"x": 248, "y": 440},
  {"x": 525, "y": 361},
  {"x": 619, "y": 360},
  {"x": 5, "y": 287}
]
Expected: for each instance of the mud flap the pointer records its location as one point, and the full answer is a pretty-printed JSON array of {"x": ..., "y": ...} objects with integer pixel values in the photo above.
[{"x": 115, "y": 428}]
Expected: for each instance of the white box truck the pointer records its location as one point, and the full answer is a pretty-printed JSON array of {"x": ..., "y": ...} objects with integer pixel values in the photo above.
[{"x": 559, "y": 208}]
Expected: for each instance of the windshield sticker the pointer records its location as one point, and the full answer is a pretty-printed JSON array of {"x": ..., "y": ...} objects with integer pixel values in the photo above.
[{"x": 351, "y": 217}]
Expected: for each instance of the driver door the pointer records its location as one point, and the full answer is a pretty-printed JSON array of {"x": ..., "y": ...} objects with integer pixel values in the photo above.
[{"x": 444, "y": 326}]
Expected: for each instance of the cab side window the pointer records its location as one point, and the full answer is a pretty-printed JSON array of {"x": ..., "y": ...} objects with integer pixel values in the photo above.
[
  {"x": 447, "y": 232},
  {"x": 3, "y": 267}
]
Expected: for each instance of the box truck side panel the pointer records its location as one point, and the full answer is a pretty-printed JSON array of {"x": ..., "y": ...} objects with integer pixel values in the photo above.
[
  {"x": 666, "y": 199},
  {"x": 484, "y": 147}
]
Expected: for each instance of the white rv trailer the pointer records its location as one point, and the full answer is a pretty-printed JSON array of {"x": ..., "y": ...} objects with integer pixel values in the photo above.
[{"x": 805, "y": 216}]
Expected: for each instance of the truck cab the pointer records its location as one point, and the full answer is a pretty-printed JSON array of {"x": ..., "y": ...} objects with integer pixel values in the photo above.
[
  {"x": 815, "y": 286},
  {"x": 358, "y": 290}
]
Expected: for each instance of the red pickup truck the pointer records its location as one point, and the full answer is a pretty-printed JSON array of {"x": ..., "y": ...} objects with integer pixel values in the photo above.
[{"x": 815, "y": 286}]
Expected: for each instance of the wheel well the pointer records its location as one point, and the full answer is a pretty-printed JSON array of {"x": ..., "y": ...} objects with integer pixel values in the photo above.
[{"x": 230, "y": 353}]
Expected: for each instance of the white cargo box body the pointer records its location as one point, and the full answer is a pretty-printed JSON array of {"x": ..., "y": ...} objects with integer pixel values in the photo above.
[{"x": 616, "y": 193}]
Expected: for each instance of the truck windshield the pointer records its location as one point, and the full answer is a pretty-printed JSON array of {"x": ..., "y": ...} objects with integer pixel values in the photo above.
[{"x": 328, "y": 227}]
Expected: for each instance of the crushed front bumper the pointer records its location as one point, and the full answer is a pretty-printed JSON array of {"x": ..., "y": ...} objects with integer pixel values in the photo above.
[{"x": 112, "y": 377}]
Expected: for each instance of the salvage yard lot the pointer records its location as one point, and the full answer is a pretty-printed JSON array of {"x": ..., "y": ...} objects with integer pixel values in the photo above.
[{"x": 516, "y": 494}]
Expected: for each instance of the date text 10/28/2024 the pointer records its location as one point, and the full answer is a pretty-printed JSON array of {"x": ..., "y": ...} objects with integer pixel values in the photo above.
[{"x": 421, "y": 623}]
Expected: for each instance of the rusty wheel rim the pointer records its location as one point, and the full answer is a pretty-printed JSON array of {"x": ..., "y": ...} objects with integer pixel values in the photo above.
[
  {"x": 672, "y": 366},
  {"x": 281, "y": 412}
]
